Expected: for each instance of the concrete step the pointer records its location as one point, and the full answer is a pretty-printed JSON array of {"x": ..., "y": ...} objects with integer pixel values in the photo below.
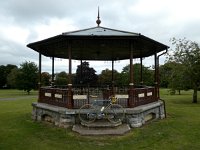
[
  {"x": 119, "y": 130},
  {"x": 101, "y": 124}
]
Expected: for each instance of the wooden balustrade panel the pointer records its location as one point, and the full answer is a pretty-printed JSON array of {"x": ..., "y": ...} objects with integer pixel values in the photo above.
[
  {"x": 45, "y": 94},
  {"x": 141, "y": 96},
  {"x": 54, "y": 96},
  {"x": 150, "y": 95}
]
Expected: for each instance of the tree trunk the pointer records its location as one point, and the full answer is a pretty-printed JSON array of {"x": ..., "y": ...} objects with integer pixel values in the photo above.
[{"x": 194, "y": 94}]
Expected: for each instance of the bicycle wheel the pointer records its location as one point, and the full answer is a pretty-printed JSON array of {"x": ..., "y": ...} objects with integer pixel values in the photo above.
[
  {"x": 87, "y": 113},
  {"x": 115, "y": 113}
]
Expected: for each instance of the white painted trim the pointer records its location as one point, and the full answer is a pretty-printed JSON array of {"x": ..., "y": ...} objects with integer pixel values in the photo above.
[
  {"x": 47, "y": 94},
  {"x": 149, "y": 94},
  {"x": 58, "y": 95},
  {"x": 121, "y": 96},
  {"x": 79, "y": 96},
  {"x": 141, "y": 95}
]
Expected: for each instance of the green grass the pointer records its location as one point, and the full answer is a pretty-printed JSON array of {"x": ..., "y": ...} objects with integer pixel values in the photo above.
[
  {"x": 15, "y": 93},
  {"x": 179, "y": 131}
]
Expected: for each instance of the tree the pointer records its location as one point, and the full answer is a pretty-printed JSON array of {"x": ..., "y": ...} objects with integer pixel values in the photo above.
[
  {"x": 187, "y": 53},
  {"x": 12, "y": 78},
  {"x": 45, "y": 78},
  {"x": 177, "y": 78},
  {"x": 85, "y": 74},
  {"x": 147, "y": 74},
  {"x": 105, "y": 78},
  {"x": 123, "y": 78},
  {"x": 2, "y": 76},
  {"x": 165, "y": 72},
  {"x": 9, "y": 68},
  {"x": 27, "y": 77},
  {"x": 173, "y": 76},
  {"x": 61, "y": 78},
  {"x": 4, "y": 71}
]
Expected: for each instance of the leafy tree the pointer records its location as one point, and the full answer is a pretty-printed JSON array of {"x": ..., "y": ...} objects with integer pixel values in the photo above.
[
  {"x": 178, "y": 78},
  {"x": 61, "y": 78},
  {"x": 4, "y": 71},
  {"x": 2, "y": 76},
  {"x": 27, "y": 77},
  {"x": 147, "y": 74},
  {"x": 187, "y": 53},
  {"x": 123, "y": 78},
  {"x": 165, "y": 74},
  {"x": 12, "y": 78},
  {"x": 173, "y": 76},
  {"x": 9, "y": 68},
  {"x": 85, "y": 74},
  {"x": 105, "y": 78},
  {"x": 45, "y": 78}
]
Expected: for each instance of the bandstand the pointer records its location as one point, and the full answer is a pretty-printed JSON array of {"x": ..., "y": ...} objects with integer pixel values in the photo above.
[{"x": 60, "y": 105}]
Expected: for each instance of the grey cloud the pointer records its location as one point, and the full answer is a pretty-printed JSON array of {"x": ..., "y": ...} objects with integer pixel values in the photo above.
[
  {"x": 15, "y": 53},
  {"x": 31, "y": 12}
]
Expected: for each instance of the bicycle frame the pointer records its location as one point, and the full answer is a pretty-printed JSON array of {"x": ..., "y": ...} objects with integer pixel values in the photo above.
[{"x": 101, "y": 109}]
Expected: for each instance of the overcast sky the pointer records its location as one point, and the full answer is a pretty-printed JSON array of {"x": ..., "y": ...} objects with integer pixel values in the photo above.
[{"x": 26, "y": 21}]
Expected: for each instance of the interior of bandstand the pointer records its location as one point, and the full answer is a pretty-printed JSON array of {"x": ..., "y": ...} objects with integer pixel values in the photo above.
[{"x": 99, "y": 44}]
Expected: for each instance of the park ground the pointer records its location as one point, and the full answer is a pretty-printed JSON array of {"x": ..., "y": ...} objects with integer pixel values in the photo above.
[{"x": 179, "y": 131}]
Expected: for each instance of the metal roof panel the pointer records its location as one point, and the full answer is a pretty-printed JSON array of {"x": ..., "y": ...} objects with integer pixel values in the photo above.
[{"x": 100, "y": 31}]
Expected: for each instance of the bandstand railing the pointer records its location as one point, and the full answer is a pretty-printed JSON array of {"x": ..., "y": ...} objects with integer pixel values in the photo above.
[
  {"x": 55, "y": 96},
  {"x": 76, "y": 97},
  {"x": 141, "y": 96}
]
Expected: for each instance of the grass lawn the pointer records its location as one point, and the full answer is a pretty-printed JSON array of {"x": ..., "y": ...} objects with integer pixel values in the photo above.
[
  {"x": 179, "y": 131},
  {"x": 15, "y": 93}
]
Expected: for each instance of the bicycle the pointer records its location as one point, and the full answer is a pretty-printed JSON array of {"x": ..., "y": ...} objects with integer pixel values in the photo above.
[{"x": 101, "y": 109}]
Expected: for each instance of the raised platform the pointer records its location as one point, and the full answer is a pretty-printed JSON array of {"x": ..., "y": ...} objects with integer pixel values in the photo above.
[{"x": 63, "y": 117}]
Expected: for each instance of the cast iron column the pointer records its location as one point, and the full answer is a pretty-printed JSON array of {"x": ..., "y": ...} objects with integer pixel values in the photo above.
[
  {"x": 81, "y": 82},
  {"x": 141, "y": 72},
  {"x": 113, "y": 88},
  {"x": 156, "y": 76},
  {"x": 131, "y": 84},
  {"x": 131, "y": 66},
  {"x": 40, "y": 70},
  {"x": 69, "y": 93},
  {"x": 52, "y": 78}
]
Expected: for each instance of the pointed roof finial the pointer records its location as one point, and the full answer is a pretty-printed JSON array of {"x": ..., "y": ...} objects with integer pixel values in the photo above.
[{"x": 98, "y": 19}]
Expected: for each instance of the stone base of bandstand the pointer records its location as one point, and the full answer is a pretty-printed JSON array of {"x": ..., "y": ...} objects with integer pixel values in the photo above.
[{"x": 63, "y": 117}]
